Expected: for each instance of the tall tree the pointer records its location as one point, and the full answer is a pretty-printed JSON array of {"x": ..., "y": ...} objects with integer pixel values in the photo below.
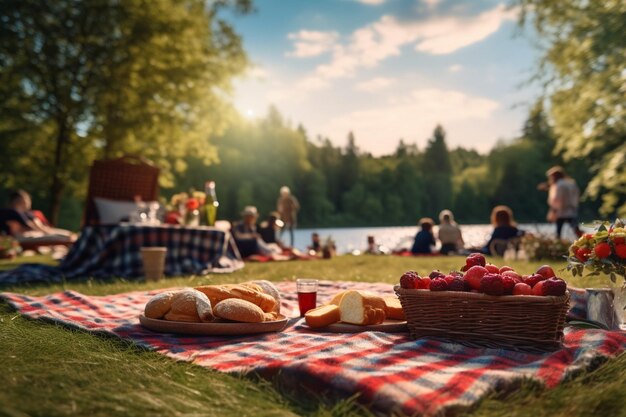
[
  {"x": 437, "y": 173},
  {"x": 583, "y": 66},
  {"x": 80, "y": 79}
]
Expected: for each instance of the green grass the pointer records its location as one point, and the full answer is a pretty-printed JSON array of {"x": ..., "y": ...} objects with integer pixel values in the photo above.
[{"x": 48, "y": 370}]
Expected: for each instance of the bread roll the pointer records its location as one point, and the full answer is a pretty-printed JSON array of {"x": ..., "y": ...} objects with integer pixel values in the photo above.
[
  {"x": 361, "y": 309},
  {"x": 186, "y": 305},
  {"x": 236, "y": 309},
  {"x": 159, "y": 305},
  {"x": 218, "y": 293},
  {"x": 270, "y": 289},
  {"x": 393, "y": 308},
  {"x": 322, "y": 316},
  {"x": 273, "y": 316}
]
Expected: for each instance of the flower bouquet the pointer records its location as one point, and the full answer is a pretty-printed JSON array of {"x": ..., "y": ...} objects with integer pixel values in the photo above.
[
  {"x": 602, "y": 252},
  {"x": 185, "y": 208}
]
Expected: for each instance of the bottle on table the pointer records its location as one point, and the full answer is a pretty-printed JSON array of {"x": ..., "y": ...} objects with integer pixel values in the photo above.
[{"x": 211, "y": 203}]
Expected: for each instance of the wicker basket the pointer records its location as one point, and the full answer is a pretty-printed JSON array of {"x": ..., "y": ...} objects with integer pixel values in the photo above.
[{"x": 517, "y": 322}]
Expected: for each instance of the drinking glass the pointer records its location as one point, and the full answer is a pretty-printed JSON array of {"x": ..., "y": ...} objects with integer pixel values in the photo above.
[{"x": 307, "y": 294}]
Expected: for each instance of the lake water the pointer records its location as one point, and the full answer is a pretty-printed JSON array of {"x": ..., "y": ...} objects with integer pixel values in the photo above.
[{"x": 350, "y": 239}]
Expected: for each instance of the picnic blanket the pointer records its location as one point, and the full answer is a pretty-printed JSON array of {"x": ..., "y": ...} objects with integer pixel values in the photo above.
[
  {"x": 391, "y": 372},
  {"x": 115, "y": 251}
]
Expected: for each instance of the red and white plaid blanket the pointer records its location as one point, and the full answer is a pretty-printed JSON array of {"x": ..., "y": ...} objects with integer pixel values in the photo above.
[{"x": 390, "y": 371}]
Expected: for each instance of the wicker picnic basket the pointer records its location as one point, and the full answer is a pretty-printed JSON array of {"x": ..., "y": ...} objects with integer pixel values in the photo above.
[{"x": 518, "y": 322}]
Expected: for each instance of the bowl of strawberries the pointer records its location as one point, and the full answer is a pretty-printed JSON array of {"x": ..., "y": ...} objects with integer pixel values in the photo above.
[{"x": 487, "y": 305}]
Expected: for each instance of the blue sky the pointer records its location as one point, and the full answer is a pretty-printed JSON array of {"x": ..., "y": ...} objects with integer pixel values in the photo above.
[{"x": 389, "y": 69}]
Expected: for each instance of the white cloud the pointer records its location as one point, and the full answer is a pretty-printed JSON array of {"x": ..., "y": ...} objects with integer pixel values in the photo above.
[
  {"x": 431, "y": 3},
  {"x": 384, "y": 38},
  {"x": 371, "y": 2},
  {"x": 448, "y": 34},
  {"x": 374, "y": 84},
  {"x": 412, "y": 116},
  {"x": 309, "y": 43},
  {"x": 455, "y": 68}
]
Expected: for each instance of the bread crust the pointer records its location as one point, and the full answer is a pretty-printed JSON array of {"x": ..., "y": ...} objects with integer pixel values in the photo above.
[
  {"x": 270, "y": 289},
  {"x": 362, "y": 309},
  {"x": 237, "y": 309},
  {"x": 219, "y": 293},
  {"x": 159, "y": 305},
  {"x": 322, "y": 316},
  {"x": 186, "y": 305},
  {"x": 393, "y": 308}
]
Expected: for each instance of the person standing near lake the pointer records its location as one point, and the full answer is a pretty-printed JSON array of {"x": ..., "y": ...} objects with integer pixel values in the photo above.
[
  {"x": 288, "y": 207},
  {"x": 563, "y": 198}
]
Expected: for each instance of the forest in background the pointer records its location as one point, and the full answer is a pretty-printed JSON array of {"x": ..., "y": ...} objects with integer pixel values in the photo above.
[{"x": 344, "y": 186}]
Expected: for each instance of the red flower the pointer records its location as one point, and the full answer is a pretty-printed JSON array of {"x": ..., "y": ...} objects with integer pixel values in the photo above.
[
  {"x": 172, "y": 217},
  {"x": 582, "y": 254},
  {"x": 602, "y": 250},
  {"x": 192, "y": 204}
]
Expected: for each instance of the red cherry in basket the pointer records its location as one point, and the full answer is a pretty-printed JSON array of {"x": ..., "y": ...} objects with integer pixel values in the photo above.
[
  {"x": 546, "y": 271},
  {"x": 522, "y": 289},
  {"x": 475, "y": 259},
  {"x": 517, "y": 277},
  {"x": 620, "y": 250},
  {"x": 474, "y": 275},
  {"x": 554, "y": 286},
  {"x": 534, "y": 279},
  {"x": 492, "y": 284},
  {"x": 407, "y": 280},
  {"x": 538, "y": 288},
  {"x": 508, "y": 283}
]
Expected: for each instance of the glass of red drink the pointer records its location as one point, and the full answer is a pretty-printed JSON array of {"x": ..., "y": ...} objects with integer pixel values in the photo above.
[{"x": 307, "y": 294}]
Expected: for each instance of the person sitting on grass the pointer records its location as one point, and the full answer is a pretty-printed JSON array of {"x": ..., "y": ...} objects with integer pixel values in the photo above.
[
  {"x": 449, "y": 234},
  {"x": 504, "y": 227},
  {"x": 248, "y": 239},
  {"x": 424, "y": 239},
  {"x": 269, "y": 229}
]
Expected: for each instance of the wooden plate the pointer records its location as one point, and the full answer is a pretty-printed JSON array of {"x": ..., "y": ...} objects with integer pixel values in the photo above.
[
  {"x": 213, "y": 329},
  {"x": 389, "y": 326}
]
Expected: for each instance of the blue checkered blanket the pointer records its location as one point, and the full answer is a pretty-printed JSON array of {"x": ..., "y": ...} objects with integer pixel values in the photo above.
[{"x": 115, "y": 251}]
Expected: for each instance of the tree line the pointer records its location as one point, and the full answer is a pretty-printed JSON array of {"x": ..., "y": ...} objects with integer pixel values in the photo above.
[{"x": 345, "y": 186}]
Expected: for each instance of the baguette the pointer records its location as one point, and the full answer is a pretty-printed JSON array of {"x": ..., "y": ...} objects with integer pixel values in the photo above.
[{"x": 218, "y": 293}]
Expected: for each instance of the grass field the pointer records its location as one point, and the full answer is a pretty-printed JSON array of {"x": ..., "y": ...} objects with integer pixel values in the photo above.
[{"x": 48, "y": 370}]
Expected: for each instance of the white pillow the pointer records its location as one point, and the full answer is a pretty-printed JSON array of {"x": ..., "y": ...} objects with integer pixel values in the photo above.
[{"x": 114, "y": 211}]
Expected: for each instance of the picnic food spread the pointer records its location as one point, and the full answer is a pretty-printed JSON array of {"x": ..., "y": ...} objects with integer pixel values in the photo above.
[
  {"x": 355, "y": 307},
  {"x": 250, "y": 302}
]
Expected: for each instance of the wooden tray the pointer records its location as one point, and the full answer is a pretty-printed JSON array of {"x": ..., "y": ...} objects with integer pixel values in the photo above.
[
  {"x": 388, "y": 326},
  {"x": 212, "y": 329}
]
